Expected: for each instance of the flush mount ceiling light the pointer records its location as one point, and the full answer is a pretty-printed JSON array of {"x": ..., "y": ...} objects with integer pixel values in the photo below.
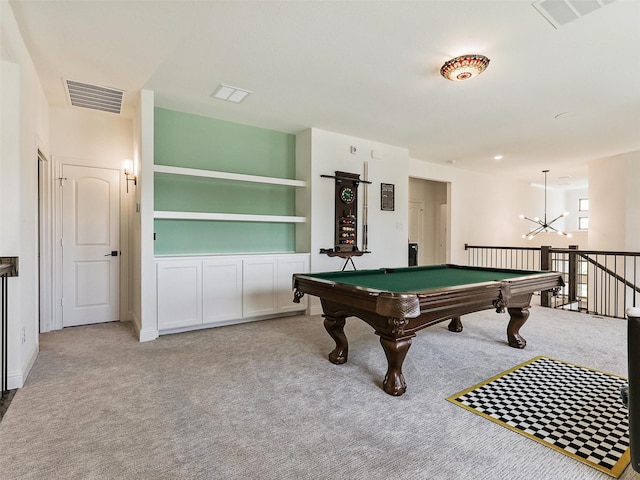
[
  {"x": 464, "y": 67},
  {"x": 543, "y": 226},
  {"x": 231, "y": 94}
]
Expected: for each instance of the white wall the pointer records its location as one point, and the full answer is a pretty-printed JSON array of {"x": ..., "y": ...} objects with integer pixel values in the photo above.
[
  {"x": 145, "y": 316},
  {"x": 632, "y": 221},
  {"x": 485, "y": 209},
  {"x": 319, "y": 152},
  {"x": 331, "y": 152},
  {"x": 614, "y": 203},
  {"x": 85, "y": 137},
  {"x": 23, "y": 129}
]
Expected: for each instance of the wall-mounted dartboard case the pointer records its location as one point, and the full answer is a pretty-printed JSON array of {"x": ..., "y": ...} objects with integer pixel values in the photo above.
[{"x": 346, "y": 211}]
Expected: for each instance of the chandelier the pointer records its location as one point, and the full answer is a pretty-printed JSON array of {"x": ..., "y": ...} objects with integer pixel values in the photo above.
[
  {"x": 464, "y": 67},
  {"x": 543, "y": 225}
]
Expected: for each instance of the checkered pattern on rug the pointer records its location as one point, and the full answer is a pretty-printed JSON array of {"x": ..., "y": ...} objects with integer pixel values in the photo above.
[{"x": 573, "y": 408}]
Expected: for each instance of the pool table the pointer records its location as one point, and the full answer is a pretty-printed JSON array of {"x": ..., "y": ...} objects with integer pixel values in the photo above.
[{"x": 397, "y": 302}]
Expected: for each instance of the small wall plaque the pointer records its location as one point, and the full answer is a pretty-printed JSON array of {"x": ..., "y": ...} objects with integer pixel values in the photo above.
[{"x": 387, "y": 197}]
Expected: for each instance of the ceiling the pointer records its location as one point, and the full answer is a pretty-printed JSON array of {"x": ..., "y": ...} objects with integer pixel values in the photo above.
[{"x": 551, "y": 98}]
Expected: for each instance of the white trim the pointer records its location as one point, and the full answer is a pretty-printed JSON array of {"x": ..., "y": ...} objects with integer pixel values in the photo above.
[
  {"x": 56, "y": 273},
  {"x": 143, "y": 335},
  {"x": 194, "y": 172},
  {"x": 232, "y": 321},
  {"x": 17, "y": 378},
  {"x": 46, "y": 250}
]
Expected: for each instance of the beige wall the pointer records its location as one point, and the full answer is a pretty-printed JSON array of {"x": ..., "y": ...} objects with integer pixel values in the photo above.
[
  {"x": 432, "y": 198},
  {"x": 91, "y": 138},
  {"x": 23, "y": 130},
  {"x": 614, "y": 202},
  {"x": 485, "y": 209}
]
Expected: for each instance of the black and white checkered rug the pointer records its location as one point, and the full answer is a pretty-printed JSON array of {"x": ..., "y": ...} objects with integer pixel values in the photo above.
[{"x": 572, "y": 409}]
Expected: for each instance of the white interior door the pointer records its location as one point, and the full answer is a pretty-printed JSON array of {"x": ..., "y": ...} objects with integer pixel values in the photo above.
[{"x": 90, "y": 245}]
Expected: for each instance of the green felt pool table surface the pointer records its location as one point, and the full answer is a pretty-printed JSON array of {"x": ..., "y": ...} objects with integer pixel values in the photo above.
[{"x": 417, "y": 279}]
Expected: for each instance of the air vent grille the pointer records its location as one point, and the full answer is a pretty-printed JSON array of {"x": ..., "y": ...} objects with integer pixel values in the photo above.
[
  {"x": 94, "y": 96},
  {"x": 561, "y": 12}
]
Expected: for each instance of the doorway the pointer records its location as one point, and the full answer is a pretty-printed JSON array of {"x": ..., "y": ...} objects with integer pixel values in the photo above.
[
  {"x": 90, "y": 240},
  {"x": 429, "y": 220}
]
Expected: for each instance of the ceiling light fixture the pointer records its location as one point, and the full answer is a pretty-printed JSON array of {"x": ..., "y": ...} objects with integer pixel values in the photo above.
[
  {"x": 231, "y": 94},
  {"x": 543, "y": 226},
  {"x": 464, "y": 67}
]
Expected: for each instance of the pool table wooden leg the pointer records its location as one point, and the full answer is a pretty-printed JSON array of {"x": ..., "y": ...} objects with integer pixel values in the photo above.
[
  {"x": 335, "y": 328},
  {"x": 455, "y": 325},
  {"x": 395, "y": 350},
  {"x": 518, "y": 316}
]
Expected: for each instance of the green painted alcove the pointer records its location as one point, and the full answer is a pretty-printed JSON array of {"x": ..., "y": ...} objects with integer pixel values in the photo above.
[
  {"x": 221, "y": 237},
  {"x": 192, "y": 141},
  {"x": 185, "y": 140}
]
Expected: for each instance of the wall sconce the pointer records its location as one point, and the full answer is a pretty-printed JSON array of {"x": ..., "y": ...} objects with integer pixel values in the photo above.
[{"x": 127, "y": 168}]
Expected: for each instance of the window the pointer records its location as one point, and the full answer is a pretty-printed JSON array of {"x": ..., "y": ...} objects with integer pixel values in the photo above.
[
  {"x": 583, "y": 223},
  {"x": 583, "y": 205}
]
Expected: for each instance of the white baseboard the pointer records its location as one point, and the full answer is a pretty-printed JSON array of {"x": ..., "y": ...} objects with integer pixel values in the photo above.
[
  {"x": 17, "y": 378},
  {"x": 223, "y": 323},
  {"x": 148, "y": 334},
  {"x": 144, "y": 335}
]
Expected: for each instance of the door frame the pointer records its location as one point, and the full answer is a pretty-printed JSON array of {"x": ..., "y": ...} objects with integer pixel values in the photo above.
[
  {"x": 56, "y": 264},
  {"x": 45, "y": 241}
]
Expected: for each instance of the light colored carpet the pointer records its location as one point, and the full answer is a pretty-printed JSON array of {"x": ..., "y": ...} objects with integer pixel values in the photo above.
[{"x": 261, "y": 401}]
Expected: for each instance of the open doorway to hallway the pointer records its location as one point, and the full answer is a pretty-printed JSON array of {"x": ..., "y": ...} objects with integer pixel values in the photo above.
[{"x": 429, "y": 220}]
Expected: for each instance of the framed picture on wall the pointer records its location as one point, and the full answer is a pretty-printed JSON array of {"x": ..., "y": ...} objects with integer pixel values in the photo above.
[{"x": 387, "y": 197}]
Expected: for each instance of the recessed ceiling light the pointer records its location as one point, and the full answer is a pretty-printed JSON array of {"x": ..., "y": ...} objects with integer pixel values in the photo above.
[
  {"x": 231, "y": 94},
  {"x": 498, "y": 157}
]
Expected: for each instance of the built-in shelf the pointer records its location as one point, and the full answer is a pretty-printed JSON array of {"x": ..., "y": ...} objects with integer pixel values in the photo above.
[
  {"x": 240, "y": 177},
  {"x": 229, "y": 217}
]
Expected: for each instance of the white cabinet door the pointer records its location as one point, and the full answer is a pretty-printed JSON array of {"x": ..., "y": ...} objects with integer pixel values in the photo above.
[
  {"x": 221, "y": 289},
  {"x": 287, "y": 266},
  {"x": 179, "y": 294},
  {"x": 259, "y": 282}
]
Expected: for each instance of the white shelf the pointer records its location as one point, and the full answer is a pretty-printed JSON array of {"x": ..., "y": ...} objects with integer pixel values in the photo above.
[
  {"x": 193, "y": 172},
  {"x": 229, "y": 217}
]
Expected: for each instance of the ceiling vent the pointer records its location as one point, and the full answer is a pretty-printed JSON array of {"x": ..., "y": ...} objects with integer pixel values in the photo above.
[
  {"x": 95, "y": 97},
  {"x": 231, "y": 94},
  {"x": 561, "y": 12}
]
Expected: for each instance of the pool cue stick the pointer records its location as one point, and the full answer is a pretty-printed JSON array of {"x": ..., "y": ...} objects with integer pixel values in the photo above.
[{"x": 365, "y": 208}]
